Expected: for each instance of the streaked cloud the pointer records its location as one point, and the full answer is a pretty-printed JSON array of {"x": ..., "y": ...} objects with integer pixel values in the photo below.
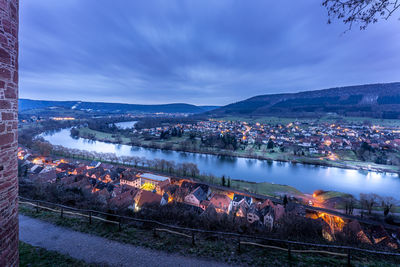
[{"x": 200, "y": 52}]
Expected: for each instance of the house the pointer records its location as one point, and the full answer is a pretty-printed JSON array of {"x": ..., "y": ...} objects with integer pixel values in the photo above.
[
  {"x": 221, "y": 203},
  {"x": 131, "y": 181},
  {"x": 119, "y": 170},
  {"x": 164, "y": 199},
  {"x": 93, "y": 164},
  {"x": 65, "y": 167},
  {"x": 204, "y": 204},
  {"x": 36, "y": 169},
  {"x": 264, "y": 215},
  {"x": 145, "y": 197},
  {"x": 293, "y": 209},
  {"x": 124, "y": 200},
  {"x": 97, "y": 173},
  {"x": 47, "y": 177},
  {"x": 148, "y": 179},
  {"x": 241, "y": 209},
  {"x": 253, "y": 214},
  {"x": 128, "y": 173},
  {"x": 61, "y": 175},
  {"x": 279, "y": 210},
  {"x": 111, "y": 175},
  {"x": 162, "y": 186},
  {"x": 268, "y": 217},
  {"x": 79, "y": 170},
  {"x": 153, "y": 179},
  {"x": 188, "y": 185},
  {"x": 83, "y": 184},
  {"x": 238, "y": 199},
  {"x": 196, "y": 197}
]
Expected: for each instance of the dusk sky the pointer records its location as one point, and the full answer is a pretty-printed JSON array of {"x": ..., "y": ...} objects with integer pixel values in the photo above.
[{"x": 200, "y": 52}]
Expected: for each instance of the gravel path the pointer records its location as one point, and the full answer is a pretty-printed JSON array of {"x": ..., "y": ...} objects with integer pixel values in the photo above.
[{"x": 94, "y": 249}]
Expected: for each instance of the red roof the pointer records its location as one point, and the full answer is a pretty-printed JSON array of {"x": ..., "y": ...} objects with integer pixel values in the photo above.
[
  {"x": 220, "y": 201},
  {"x": 146, "y": 197}
]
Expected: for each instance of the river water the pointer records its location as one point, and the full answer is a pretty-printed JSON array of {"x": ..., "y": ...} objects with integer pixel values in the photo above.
[
  {"x": 306, "y": 178},
  {"x": 126, "y": 124}
]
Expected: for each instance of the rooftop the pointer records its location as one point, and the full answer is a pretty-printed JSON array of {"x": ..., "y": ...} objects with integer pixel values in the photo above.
[{"x": 154, "y": 177}]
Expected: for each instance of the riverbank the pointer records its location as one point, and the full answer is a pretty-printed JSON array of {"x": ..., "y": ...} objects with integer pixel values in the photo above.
[{"x": 347, "y": 161}]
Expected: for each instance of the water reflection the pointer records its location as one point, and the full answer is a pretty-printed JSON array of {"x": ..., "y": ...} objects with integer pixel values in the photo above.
[
  {"x": 306, "y": 178},
  {"x": 126, "y": 124}
]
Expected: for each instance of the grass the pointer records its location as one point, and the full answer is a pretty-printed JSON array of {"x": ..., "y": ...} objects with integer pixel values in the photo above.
[
  {"x": 265, "y": 188},
  {"x": 208, "y": 247},
  {"x": 36, "y": 256},
  {"x": 331, "y": 194}
]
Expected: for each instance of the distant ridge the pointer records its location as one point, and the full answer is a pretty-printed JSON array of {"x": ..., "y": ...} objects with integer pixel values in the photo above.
[
  {"x": 28, "y": 104},
  {"x": 371, "y": 100}
]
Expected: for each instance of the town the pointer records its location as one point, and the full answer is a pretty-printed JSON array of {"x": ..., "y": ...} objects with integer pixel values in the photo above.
[
  {"x": 119, "y": 187},
  {"x": 360, "y": 145},
  {"x": 312, "y": 137}
]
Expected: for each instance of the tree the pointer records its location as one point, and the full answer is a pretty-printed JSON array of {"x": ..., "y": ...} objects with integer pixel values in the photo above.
[
  {"x": 285, "y": 201},
  {"x": 229, "y": 182},
  {"x": 223, "y": 180},
  {"x": 387, "y": 204},
  {"x": 270, "y": 144},
  {"x": 349, "y": 204},
  {"x": 363, "y": 12},
  {"x": 44, "y": 148},
  {"x": 368, "y": 201}
]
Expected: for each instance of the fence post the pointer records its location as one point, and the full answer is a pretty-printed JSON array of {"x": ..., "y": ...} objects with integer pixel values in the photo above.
[
  {"x": 238, "y": 244},
  {"x": 37, "y": 206},
  {"x": 289, "y": 251},
  {"x": 62, "y": 212},
  {"x": 90, "y": 217},
  {"x": 154, "y": 232},
  {"x": 193, "y": 243},
  {"x": 119, "y": 225},
  {"x": 349, "y": 257}
]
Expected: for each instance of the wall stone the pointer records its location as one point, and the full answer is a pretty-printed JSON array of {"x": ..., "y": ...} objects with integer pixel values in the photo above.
[{"x": 8, "y": 132}]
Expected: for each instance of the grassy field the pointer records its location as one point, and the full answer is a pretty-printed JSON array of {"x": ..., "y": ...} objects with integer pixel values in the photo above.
[
  {"x": 38, "y": 257},
  {"x": 217, "y": 249},
  {"x": 265, "y": 188}
]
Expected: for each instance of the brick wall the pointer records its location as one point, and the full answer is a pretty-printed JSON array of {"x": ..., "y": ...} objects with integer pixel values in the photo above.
[{"x": 8, "y": 132}]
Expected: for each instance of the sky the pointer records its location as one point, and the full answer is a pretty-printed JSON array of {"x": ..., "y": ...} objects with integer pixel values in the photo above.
[{"x": 204, "y": 52}]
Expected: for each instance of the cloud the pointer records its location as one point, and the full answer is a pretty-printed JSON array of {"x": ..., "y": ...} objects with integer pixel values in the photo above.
[{"x": 200, "y": 52}]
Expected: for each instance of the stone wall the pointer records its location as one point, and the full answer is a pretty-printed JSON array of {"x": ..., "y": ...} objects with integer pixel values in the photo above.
[{"x": 8, "y": 132}]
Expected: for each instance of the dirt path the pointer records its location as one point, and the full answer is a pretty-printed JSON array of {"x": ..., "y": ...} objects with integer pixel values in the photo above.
[{"x": 94, "y": 249}]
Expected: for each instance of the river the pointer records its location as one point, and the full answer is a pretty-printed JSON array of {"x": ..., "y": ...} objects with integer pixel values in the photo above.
[
  {"x": 306, "y": 178},
  {"x": 126, "y": 124}
]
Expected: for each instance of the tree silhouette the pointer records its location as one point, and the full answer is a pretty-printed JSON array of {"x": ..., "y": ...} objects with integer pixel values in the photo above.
[{"x": 363, "y": 12}]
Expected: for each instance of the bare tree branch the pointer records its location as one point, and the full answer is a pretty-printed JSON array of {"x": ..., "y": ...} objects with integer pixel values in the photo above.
[{"x": 363, "y": 12}]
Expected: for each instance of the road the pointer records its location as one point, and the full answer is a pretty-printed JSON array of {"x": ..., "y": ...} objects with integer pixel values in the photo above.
[{"x": 98, "y": 250}]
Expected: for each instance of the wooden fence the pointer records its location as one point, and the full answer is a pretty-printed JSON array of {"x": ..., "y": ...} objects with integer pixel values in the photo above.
[{"x": 248, "y": 240}]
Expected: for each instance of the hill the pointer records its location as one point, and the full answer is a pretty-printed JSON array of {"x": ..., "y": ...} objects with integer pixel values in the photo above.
[
  {"x": 371, "y": 100},
  {"x": 28, "y": 104}
]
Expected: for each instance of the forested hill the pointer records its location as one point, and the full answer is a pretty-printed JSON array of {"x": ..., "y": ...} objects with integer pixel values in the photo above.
[
  {"x": 28, "y": 104},
  {"x": 372, "y": 100}
]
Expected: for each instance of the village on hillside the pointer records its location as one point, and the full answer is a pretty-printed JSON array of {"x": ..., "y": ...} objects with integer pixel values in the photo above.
[{"x": 126, "y": 188}]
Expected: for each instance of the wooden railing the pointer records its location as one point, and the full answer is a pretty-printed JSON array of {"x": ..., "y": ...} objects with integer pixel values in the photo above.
[{"x": 249, "y": 240}]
